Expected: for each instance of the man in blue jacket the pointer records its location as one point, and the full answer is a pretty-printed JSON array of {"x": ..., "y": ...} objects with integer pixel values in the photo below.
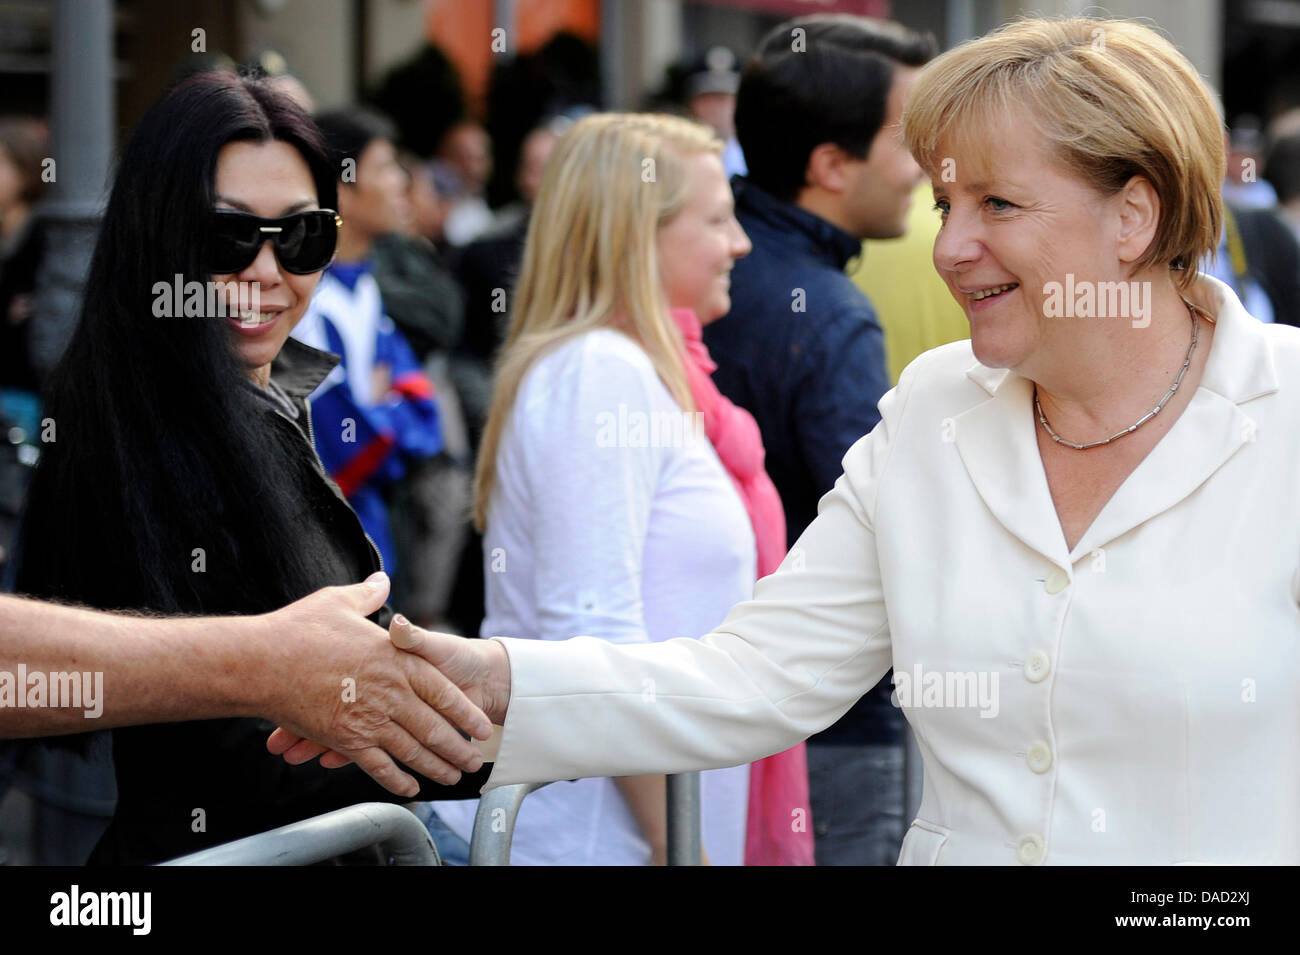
[{"x": 818, "y": 116}]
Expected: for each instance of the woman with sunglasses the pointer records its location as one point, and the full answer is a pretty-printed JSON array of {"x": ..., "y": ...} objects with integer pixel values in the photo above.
[{"x": 182, "y": 478}]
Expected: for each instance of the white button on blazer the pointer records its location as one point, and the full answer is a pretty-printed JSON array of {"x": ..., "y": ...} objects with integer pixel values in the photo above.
[{"x": 1133, "y": 700}]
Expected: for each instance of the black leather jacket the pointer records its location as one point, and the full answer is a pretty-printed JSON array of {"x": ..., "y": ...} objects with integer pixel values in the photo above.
[{"x": 186, "y": 786}]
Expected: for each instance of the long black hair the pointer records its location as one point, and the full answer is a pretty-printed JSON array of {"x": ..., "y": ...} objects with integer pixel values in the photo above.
[{"x": 159, "y": 450}]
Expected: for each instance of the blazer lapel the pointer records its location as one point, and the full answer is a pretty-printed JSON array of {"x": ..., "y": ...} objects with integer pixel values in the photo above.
[
  {"x": 998, "y": 447},
  {"x": 1209, "y": 431},
  {"x": 1213, "y": 427}
]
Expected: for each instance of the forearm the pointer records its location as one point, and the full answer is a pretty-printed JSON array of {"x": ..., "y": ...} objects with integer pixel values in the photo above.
[
  {"x": 585, "y": 707},
  {"x": 647, "y": 798},
  {"x": 151, "y": 669}
]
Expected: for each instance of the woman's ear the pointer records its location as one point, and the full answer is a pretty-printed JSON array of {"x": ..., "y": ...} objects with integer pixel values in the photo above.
[{"x": 1139, "y": 217}]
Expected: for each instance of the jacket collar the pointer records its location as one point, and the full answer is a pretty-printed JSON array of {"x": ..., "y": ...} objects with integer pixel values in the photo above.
[
  {"x": 998, "y": 443},
  {"x": 299, "y": 368},
  {"x": 824, "y": 239}
]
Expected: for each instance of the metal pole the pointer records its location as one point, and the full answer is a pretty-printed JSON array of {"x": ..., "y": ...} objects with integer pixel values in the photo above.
[
  {"x": 81, "y": 112},
  {"x": 612, "y": 15},
  {"x": 684, "y": 819},
  {"x": 395, "y": 830},
  {"x": 960, "y": 22},
  {"x": 82, "y": 121},
  {"x": 494, "y": 823},
  {"x": 505, "y": 15}
]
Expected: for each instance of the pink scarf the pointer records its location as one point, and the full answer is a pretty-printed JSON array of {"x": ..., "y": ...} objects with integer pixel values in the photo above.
[{"x": 779, "y": 827}]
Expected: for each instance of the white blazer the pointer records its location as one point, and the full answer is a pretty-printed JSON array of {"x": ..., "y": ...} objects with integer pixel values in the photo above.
[{"x": 1140, "y": 695}]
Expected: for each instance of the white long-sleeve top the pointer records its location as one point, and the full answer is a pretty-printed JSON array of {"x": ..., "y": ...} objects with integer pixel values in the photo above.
[
  {"x": 612, "y": 517},
  {"x": 1139, "y": 700}
]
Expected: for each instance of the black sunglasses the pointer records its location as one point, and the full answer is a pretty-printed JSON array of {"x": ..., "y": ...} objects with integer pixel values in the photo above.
[{"x": 304, "y": 242}]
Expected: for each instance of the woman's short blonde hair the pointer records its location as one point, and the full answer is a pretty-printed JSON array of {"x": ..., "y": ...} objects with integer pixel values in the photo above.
[
  {"x": 1113, "y": 99},
  {"x": 591, "y": 256}
]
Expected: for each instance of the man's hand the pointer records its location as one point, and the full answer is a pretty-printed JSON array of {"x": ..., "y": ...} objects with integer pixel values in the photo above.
[
  {"x": 481, "y": 668},
  {"x": 338, "y": 680}
]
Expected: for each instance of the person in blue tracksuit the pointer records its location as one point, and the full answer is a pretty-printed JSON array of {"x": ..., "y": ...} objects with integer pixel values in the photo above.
[{"x": 375, "y": 413}]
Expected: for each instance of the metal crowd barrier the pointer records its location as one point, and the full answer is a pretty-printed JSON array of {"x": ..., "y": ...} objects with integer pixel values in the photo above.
[
  {"x": 494, "y": 823},
  {"x": 405, "y": 840},
  {"x": 684, "y": 819},
  {"x": 395, "y": 830}
]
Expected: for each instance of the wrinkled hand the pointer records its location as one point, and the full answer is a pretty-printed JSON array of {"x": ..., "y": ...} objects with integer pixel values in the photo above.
[
  {"x": 339, "y": 681},
  {"x": 480, "y": 668}
]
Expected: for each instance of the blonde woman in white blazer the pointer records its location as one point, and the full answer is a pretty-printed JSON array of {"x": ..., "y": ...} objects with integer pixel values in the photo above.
[{"x": 1092, "y": 610}]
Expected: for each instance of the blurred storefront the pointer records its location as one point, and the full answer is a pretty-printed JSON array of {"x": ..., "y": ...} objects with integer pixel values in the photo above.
[{"x": 339, "y": 48}]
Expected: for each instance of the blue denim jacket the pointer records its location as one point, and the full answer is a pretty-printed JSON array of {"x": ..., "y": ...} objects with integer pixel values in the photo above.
[{"x": 802, "y": 351}]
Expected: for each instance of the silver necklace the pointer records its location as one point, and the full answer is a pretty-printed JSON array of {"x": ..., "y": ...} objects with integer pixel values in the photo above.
[{"x": 1141, "y": 421}]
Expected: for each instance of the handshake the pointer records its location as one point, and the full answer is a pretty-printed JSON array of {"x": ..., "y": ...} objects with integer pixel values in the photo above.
[{"x": 360, "y": 695}]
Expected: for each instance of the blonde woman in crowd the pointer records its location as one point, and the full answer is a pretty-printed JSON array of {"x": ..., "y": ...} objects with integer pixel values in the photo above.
[{"x": 604, "y": 507}]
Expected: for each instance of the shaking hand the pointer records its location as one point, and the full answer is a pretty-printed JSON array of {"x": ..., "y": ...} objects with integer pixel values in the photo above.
[{"x": 474, "y": 671}]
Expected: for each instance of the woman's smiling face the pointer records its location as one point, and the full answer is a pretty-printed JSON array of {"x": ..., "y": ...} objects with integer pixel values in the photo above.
[
  {"x": 271, "y": 180},
  {"x": 699, "y": 245},
  {"x": 1014, "y": 220}
]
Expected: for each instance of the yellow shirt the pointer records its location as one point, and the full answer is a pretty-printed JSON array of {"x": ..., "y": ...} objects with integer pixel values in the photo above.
[{"x": 916, "y": 310}]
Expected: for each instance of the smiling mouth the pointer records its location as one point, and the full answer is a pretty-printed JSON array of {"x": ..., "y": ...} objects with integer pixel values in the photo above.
[
  {"x": 251, "y": 319},
  {"x": 992, "y": 291}
]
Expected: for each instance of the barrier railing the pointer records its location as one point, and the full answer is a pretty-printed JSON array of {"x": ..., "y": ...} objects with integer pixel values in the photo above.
[
  {"x": 494, "y": 822},
  {"x": 405, "y": 840},
  {"x": 394, "y": 829},
  {"x": 684, "y": 819}
]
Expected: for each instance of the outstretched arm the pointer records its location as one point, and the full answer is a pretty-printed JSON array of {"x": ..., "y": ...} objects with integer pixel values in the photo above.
[
  {"x": 782, "y": 666},
  {"x": 289, "y": 666}
]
